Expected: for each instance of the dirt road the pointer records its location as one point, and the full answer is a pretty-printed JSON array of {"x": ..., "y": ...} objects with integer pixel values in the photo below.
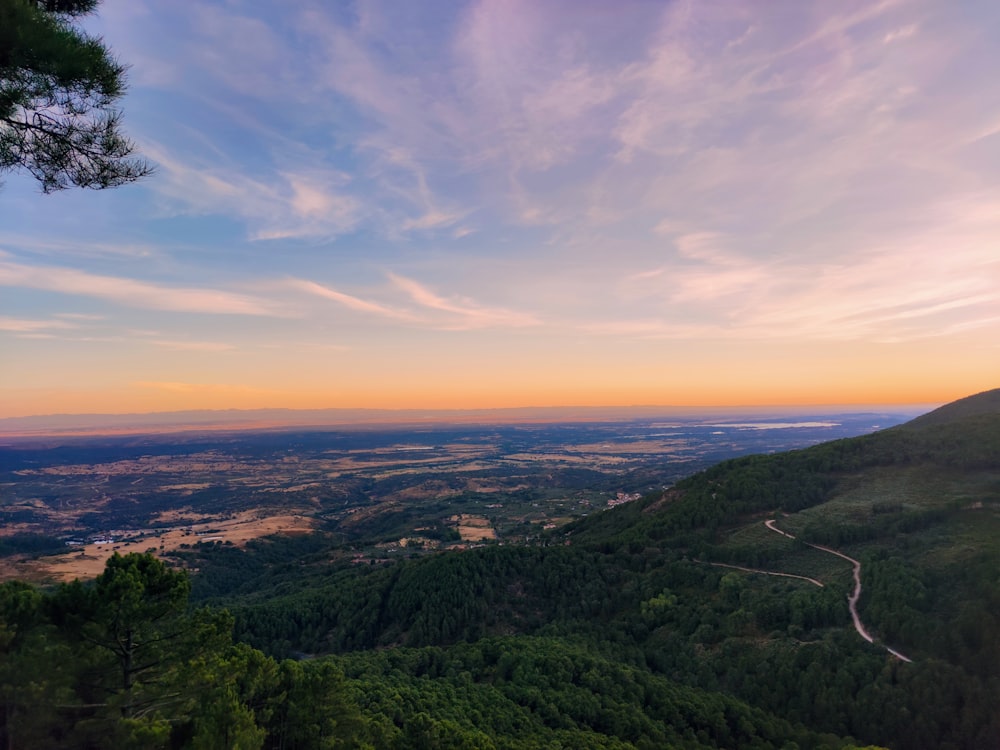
[
  {"x": 852, "y": 598},
  {"x": 766, "y": 572}
]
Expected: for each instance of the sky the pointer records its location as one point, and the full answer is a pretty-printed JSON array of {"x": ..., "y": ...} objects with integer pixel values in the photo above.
[{"x": 501, "y": 203}]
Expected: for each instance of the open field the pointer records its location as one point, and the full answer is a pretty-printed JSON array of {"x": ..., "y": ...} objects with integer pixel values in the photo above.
[
  {"x": 87, "y": 560},
  {"x": 474, "y": 528}
]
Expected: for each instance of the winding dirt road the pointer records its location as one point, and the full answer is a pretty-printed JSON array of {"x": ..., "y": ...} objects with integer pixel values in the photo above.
[
  {"x": 852, "y": 599},
  {"x": 766, "y": 572}
]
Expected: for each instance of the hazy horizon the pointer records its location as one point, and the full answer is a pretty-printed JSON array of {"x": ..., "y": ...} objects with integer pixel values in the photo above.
[{"x": 267, "y": 419}]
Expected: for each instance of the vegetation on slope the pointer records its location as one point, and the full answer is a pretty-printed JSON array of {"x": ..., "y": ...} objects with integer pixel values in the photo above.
[{"x": 123, "y": 663}]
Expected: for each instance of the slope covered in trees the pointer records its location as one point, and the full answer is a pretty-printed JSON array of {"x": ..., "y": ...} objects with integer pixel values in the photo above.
[
  {"x": 979, "y": 406},
  {"x": 123, "y": 662},
  {"x": 916, "y": 505}
]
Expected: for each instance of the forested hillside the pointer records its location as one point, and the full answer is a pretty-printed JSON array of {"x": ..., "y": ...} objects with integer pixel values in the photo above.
[{"x": 681, "y": 620}]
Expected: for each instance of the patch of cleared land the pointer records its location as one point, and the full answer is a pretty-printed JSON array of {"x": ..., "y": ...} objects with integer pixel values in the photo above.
[
  {"x": 474, "y": 528},
  {"x": 87, "y": 561}
]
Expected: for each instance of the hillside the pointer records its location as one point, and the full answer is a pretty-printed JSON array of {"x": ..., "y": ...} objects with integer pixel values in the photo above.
[
  {"x": 981, "y": 405},
  {"x": 916, "y": 506},
  {"x": 715, "y": 614}
]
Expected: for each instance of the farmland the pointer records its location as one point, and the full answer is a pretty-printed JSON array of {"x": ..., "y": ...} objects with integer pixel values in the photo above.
[{"x": 68, "y": 503}]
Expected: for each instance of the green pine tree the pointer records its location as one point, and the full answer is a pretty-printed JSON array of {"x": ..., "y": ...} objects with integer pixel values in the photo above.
[{"x": 58, "y": 91}]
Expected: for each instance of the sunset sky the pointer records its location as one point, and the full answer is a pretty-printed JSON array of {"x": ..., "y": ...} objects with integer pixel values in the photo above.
[{"x": 499, "y": 203}]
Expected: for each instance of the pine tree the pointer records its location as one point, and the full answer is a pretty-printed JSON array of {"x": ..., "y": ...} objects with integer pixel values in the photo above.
[{"x": 58, "y": 89}]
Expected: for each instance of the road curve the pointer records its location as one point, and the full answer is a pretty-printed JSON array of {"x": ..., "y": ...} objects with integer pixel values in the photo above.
[
  {"x": 852, "y": 599},
  {"x": 766, "y": 572}
]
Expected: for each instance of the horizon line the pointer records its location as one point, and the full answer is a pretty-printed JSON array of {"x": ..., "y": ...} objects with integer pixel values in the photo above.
[{"x": 276, "y": 418}]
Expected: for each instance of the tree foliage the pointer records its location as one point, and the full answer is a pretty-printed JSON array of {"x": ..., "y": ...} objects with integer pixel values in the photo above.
[
  {"x": 124, "y": 663},
  {"x": 58, "y": 92}
]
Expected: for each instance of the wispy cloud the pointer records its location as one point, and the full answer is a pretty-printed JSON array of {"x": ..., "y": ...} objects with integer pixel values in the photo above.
[
  {"x": 432, "y": 220},
  {"x": 307, "y": 203},
  {"x": 81, "y": 317},
  {"x": 132, "y": 292},
  {"x": 432, "y": 311},
  {"x": 902, "y": 32},
  {"x": 732, "y": 296},
  {"x": 26, "y": 325},
  {"x": 462, "y": 312},
  {"x": 349, "y": 301},
  {"x": 38, "y": 244}
]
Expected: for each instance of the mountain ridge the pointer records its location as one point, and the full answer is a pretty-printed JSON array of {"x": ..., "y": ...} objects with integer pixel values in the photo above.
[{"x": 981, "y": 404}]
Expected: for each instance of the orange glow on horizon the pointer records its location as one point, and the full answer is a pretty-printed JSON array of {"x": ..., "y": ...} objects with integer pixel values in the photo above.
[{"x": 216, "y": 398}]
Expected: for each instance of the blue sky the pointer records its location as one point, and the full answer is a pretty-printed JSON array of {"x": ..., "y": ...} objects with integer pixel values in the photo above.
[{"x": 523, "y": 203}]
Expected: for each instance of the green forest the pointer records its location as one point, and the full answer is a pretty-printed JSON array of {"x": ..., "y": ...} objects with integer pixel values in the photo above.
[{"x": 679, "y": 620}]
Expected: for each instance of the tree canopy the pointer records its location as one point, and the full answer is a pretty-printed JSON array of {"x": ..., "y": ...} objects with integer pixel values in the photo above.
[
  {"x": 123, "y": 662},
  {"x": 58, "y": 92}
]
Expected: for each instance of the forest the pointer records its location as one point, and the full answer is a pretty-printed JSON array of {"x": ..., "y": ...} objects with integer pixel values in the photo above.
[{"x": 629, "y": 628}]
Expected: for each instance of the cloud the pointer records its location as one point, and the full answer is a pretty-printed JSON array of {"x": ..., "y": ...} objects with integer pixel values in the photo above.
[
  {"x": 461, "y": 312},
  {"x": 311, "y": 200},
  {"x": 702, "y": 246},
  {"x": 937, "y": 276},
  {"x": 306, "y": 203},
  {"x": 73, "y": 324},
  {"x": 402, "y": 175},
  {"x": 505, "y": 91},
  {"x": 538, "y": 113},
  {"x": 349, "y": 301},
  {"x": 901, "y": 33},
  {"x": 434, "y": 311},
  {"x": 26, "y": 325},
  {"x": 726, "y": 171},
  {"x": 244, "y": 53},
  {"x": 76, "y": 247},
  {"x": 89, "y": 317},
  {"x": 432, "y": 220},
  {"x": 131, "y": 292}
]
